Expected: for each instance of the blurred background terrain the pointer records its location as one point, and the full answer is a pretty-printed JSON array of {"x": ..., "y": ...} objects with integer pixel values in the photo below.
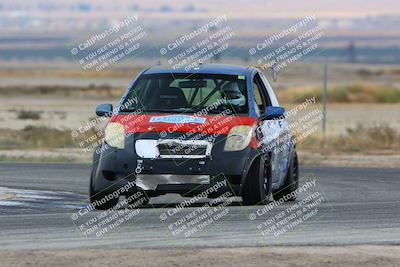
[{"x": 45, "y": 94}]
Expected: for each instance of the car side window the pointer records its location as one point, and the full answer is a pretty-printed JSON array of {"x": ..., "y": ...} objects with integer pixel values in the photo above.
[
  {"x": 261, "y": 100},
  {"x": 271, "y": 93}
]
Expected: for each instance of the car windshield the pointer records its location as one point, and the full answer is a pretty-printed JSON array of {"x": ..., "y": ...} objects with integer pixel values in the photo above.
[{"x": 188, "y": 93}]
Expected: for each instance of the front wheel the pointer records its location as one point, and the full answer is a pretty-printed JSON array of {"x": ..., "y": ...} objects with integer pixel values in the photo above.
[
  {"x": 257, "y": 186},
  {"x": 98, "y": 199}
]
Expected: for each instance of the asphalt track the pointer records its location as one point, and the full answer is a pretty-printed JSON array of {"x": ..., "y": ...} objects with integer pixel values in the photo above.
[{"x": 358, "y": 206}]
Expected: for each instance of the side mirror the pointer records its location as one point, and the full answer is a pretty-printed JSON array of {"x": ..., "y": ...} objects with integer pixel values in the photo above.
[
  {"x": 271, "y": 113},
  {"x": 104, "y": 110}
]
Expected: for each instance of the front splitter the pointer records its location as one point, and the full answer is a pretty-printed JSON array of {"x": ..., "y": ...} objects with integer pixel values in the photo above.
[{"x": 151, "y": 181}]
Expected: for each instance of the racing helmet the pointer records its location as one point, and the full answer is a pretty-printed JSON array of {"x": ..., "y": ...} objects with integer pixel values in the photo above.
[{"x": 232, "y": 94}]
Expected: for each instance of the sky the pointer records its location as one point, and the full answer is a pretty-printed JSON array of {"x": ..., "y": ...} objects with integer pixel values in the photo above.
[{"x": 235, "y": 8}]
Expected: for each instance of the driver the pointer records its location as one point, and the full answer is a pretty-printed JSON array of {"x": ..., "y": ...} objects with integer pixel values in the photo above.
[{"x": 232, "y": 94}]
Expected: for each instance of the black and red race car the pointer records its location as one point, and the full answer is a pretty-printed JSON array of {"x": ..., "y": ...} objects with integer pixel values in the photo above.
[{"x": 180, "y": 131}]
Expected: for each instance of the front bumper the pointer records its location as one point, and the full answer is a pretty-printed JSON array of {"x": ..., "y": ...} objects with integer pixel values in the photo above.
[
  {"x": 170, "y": 175},
  {"x": 152, "y": 181}
]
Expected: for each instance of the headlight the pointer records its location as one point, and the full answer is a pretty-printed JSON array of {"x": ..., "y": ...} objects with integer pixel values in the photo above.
[
  {"x": 239, "y": 138},
  {"x": 115, "y": 135}
]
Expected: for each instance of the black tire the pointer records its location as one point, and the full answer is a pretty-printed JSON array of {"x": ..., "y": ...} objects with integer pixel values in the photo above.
[
  {"x": 96, "y": 197},
  {"x": 291, "y": 181},
  {"x": 257, "y": 186}
]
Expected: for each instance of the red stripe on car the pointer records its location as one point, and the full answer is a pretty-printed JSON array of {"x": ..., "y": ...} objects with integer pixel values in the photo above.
[{"x": 212, "y": 125}]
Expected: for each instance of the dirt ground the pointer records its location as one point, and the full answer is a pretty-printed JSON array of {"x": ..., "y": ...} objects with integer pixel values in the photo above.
[{"x": 363, "y": 256}]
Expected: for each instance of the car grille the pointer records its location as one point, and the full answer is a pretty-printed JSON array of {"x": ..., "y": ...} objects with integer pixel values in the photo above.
[
  {"x": 176, "y": 149},
  {"x": 172, "y": 148}
]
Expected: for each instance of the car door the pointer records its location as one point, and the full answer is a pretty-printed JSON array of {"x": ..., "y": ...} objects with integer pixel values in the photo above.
[
  {"x": 273, "y": 132},
  {"x": 285, "y": 143}
]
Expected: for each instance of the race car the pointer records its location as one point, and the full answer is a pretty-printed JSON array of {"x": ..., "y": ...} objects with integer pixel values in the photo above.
[{"x": 182, "y": 131}]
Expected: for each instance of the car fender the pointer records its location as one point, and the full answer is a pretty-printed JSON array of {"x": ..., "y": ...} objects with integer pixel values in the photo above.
[{"x": 252, "y": 156}]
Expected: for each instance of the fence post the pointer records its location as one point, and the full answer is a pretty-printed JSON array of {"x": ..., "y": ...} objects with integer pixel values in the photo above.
[{"x": 325, "y": 98}]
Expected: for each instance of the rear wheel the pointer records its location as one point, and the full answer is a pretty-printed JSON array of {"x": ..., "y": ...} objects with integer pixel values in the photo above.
[
  {"x": 257, "y": 186},
  {"x": 291, "y": 181}
]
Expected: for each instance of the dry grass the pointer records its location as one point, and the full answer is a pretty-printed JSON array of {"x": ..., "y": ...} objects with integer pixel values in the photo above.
[
  {"x": 41, "y": 137},
  {"x": 358, "y": 93},
  {"x": 29, "y": 115},
  {"x": 36, "y": 137},
  {"x": 96, "y": 91},
  {"x": 68, "y": 72},
  {"x": 356, "y": 139}
]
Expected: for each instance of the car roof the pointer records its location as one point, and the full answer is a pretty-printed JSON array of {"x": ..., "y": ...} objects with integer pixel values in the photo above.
[{"x": 203, "y": 69}]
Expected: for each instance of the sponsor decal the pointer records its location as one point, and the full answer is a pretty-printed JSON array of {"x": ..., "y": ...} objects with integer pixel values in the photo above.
[{"x": 178, "y": 119}]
